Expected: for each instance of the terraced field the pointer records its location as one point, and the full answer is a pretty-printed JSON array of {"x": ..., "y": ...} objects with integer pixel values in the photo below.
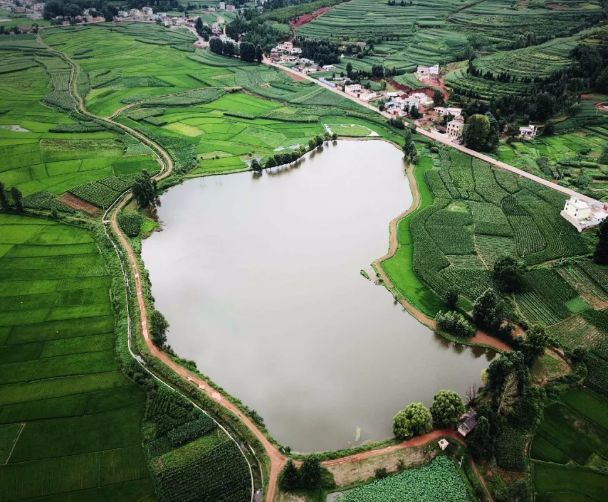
[
  {"x": 427, "y": 33},
  {"x": 70, "y": 419}
]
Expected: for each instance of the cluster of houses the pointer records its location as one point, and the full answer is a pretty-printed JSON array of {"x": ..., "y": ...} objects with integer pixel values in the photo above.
[
  {"x": 23, "y": 8},
  {"x": 400, "y": 103}
]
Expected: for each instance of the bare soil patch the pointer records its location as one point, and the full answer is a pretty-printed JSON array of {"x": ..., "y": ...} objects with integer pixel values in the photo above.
[
  {"x": 80, "y": 205},
  {"x": 307, "y": 18}
]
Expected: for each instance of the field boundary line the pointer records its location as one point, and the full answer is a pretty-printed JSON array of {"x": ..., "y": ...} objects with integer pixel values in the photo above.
[{"x": 10, "y": 453}]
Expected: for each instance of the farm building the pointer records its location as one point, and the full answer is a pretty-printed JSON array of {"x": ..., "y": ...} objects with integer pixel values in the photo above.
[
  {"x": 353, "y": 89},
  {"x": 582, "y": 214},
  {"x": 427, "y": 72},
  {"x": 442, "y": 111},
  {"x": 528, "y": 132},
  {"x": 468, "y": 421},
  {"x": 455, "y": 128}
]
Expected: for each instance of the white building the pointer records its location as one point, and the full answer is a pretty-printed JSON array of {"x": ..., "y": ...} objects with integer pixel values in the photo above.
[
  {"x": 583, "y": 214},
  {"x": 528, "y": 132},
  {"x": 442, "y": 111},
  {"x": 147, "y": 11},
  {"x": 222, "y": 5},
  {"x": 427, "y": 72},
  {"x": 455, "y": 128},
  {"x": 353, "y": 89}
]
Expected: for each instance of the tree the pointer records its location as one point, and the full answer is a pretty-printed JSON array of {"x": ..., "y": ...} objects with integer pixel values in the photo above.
[
  {"x": 229, "y": 49},
  {"x": 476, "y": 131},
  {"x": 4, "y": 204},
  {"x": 349, "y": 69},
  {"x": 290, "y": 477},
  {"x": 310, "y": 473},
  {"x": 508, "y": 274},
  {"x": 438, "y": 99},
  {"x": 17, "y": 199},
  {"x": 255, "y": 165},
  {"x": 451, "y": 298},
  {"x": 413, "y": 420},
  {"x": 544, "y": 106},
  {"x": 409, "y": 148},
  {"x": 494, "y": 134},
  {"x": 604, "y": 156},
  {"x": 158, "y": 328},
  {"x": 415, "y": 113},
  {"x": 198, "y": 26},
  {"x": 447, "y": 408},
  {"x": 259, "y": 53},
  {"x": 455, "y": 323},
  {"x": 480, "y": 441},
  {"x": 216, "y": 45},
  {"x": 601, "y": 249},
  {"x": 534, "y": 345},
  {"x": 144, "y": 190},
  {"x": 247, "y": 52},
  {"x": 488, "y": 311}
]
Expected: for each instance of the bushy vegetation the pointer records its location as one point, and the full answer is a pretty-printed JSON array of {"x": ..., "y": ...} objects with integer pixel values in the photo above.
[{"x": 413, "y": 420}]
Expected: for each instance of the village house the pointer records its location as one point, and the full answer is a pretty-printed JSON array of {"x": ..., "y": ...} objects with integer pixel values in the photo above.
[
  {"x": 582, "y": 214},
  {"x": 528, "y": 132},
  {"x": 230, "y": 8},
  {"x": 427, "y": 72},
  {"x": 353, "y": 89},
  {"x": 328, "y": 67},
  {"x": 455, "y": 128},
  {"x": 147, "y": 11},
  {"x": 468, "y": 421},
  {"x": 442, "y": 111}
]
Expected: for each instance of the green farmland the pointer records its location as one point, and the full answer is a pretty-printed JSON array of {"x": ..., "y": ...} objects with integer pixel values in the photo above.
[
  {"x": 70, "y": 420},
  {"x": 569, "y": 449},
  {"x": 44, "y": 146},
  {"x": 427, "y": 33},
  {"x": 472, "y": 216}
]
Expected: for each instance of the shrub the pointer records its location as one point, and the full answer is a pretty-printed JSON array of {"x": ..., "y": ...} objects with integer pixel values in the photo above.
[
  {"x": 455, "y": 323},
  {"x": 413, "y": 420},
  {"x": 130, "y": 223}
]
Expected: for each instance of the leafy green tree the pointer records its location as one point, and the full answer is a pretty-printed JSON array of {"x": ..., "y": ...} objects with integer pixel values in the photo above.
[
  {"x": 259, "y": 53},
  {"x": 601, "y": 249},
  {"x": 349, "y": 69},
  {"x": 451, "y": 298},
  {"x": 290, "y": 477},
  {"x": 255, "y": 165},
  {"x": 604, "y": 156},
  {"x": 413, "y": 420},
  {"x": 488, "y": 311},
  {"x": 534, "y": 345},
  {"x": 409, "y": 148},
  {"x": 508, "y": 274},
  {"x": 494, "y": 133},
  {"x": 480, "y": 440},
  {"x": 438, "y": 99},
  {"x": 17, "y": 199},
  {"x": 216, "y": 45},
  {"x": 229, "y": 49},
  {"x": 144, "y": 190},
  {"x": 310, "y": 473},
  {"x": 158, "y": 328},
  {"x": 247, "y": 52},
  {"x": 4, "y": 204},
  {"x": 415, "y": 113},
  {"x": 198, "y": 26},
  {"x": 455, "y": 323},
  {"x": 447, "y": 408},
  {"x": 476, "y": 131}
]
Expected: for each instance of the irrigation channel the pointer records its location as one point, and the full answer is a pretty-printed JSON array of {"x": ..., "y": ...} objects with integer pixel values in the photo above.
[{"x": 259, "y": 278}]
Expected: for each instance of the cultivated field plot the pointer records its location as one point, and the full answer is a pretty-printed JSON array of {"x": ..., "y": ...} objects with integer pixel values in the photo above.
[
  {"x": 570, "y": 449},
  {"x": 427, "y": 32},
  {"x": 472, "y": 216},
  {"x": 70, "y": 422},
  {"x": 44, "y": 145},
  {"x": 440, "y": 480}
]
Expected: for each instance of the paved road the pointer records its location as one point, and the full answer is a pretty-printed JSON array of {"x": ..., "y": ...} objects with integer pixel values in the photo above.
[{"x": 443, "y": 138}]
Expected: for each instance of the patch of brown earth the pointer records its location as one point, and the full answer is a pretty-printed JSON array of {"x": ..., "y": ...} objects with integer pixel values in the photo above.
[
  {"x": 78, "y": 204},
  {"x": 307, "y": 18}
]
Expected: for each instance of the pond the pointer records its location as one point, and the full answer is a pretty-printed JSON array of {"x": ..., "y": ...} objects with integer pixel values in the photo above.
[{"x": 259, "y": 278}]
